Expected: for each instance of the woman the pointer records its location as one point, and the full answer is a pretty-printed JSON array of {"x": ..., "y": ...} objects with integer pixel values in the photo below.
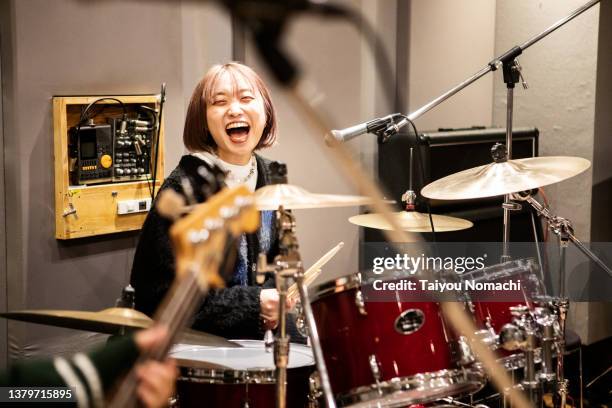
[{"x": 230, "y": 115}]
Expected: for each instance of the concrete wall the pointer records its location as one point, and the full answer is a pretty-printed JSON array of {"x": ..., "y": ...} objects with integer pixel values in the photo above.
[
  {"x": 3, "y": 282},
  {"x": 72, "y": 47},
  {"x": 560, "y": 102},
  {"x": 330, "y": 55},
  {"x": 601, "y": 199},
  {"x": 450, "y": 41}
]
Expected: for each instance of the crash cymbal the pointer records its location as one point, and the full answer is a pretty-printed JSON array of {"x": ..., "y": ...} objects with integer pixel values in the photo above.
[
  {"x": 512, "y": 176},
  {"x": 293, "y": 198},
  {"x": 105, "y": 321},
  {"x": 110, "y": 321},
  {"x": 412, "y": 221}
]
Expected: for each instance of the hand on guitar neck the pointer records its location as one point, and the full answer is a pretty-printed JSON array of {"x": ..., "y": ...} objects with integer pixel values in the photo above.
[{"x": 156, "y": 380}]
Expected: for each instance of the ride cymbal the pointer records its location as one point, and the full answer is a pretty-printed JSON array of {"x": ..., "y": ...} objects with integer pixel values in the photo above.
[
  {"x": 507, "y": 177},
  {"x": 412, "y": 221}
]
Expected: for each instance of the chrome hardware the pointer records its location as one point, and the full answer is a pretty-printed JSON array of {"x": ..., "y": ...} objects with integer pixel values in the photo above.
[
  {"x": 512, "y": 337},
  {"x": 465, "y": 357},
  {"x": 409, "y": 321},
  {"x": 375, "y": 368},
  {"x": 269, "y": 341},
  {"x": 300, "y": 320},
  {"x": 315, "y": 392},
  {"x": 360, "y": 303},
  {"x": 518, "y": 67},
  {"x": 69, "y": 210}
]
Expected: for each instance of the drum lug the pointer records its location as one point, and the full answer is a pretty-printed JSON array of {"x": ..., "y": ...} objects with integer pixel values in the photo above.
[
  {"x": 300, "y": 320},
  {"x": 360, "y": 303},
  {"x": 465, "y": 357},
  {"x": 315, "y": 392},
  {"x": 375, "y": 368}
]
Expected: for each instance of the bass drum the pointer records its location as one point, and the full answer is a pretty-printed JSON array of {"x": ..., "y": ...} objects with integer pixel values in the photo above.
[
  {"x": 386, "y": 354},
  {"x": 239, "y": 377}
]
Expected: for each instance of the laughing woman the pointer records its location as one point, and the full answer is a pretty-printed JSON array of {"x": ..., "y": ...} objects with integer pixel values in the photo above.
[{"x": 230, "y": 116}]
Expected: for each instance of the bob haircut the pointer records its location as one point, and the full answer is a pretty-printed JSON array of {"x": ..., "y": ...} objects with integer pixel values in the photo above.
[{"x": 196, "y": 135}]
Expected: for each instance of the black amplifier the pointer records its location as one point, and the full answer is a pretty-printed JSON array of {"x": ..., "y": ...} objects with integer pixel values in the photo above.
[{"x": 445, "y": 152}]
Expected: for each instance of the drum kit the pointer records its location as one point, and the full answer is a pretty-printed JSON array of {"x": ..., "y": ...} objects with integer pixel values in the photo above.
[
  {"x": 371, "y": 354},
  {"x": 387, "y": 354}
]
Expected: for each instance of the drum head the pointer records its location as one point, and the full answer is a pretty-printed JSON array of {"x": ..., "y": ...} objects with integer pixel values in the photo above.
[{"x": 251, "y": 356}]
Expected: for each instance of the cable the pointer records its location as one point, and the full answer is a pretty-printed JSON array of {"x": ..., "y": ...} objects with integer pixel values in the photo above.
[
  {"x": 422, "y": 174},
  {"x": 162, "y": 100}
]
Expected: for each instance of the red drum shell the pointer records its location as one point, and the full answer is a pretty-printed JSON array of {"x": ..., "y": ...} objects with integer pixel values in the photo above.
[{"x": 349, "y": 338}]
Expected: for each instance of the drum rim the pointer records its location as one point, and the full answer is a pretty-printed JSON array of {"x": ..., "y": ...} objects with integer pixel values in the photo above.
[
  {"x": 191, "y": 372},
  {"x": 338, "y": 285},
  {"x": 470, "y": 380}
]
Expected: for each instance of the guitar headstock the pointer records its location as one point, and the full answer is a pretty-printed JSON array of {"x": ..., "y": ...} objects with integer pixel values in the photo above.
[{"x": 199, "y": 238}]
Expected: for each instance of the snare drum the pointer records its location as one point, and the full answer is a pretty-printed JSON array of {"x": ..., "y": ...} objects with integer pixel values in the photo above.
[
  {"x": 239, "y": 377},
  {"x": 386, "y": 354}
]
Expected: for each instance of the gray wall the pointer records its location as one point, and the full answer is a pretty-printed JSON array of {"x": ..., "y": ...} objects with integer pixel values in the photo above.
[
  {"x": 73, "y": 47},
  {"x": 331, "y": 55},
  {"x": 601, "y": 216},
  {"x": 3, "y": 282},
  {"x": 561, "y": 101},
  {"x": 450, "y": 41}
]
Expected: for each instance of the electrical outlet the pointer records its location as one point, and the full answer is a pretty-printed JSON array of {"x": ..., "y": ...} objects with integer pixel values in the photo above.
[{"x": 133, "y": 206}]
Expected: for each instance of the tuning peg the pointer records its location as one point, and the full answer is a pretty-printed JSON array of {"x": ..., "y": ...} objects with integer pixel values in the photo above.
[
  {"x": 229, "y": 212},
  {"x": 170, "y": 204},
  {"x": 188, "y": 190}
]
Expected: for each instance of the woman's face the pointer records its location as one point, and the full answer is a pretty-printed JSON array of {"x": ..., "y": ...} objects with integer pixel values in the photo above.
[{"x": 236, "y": 118}]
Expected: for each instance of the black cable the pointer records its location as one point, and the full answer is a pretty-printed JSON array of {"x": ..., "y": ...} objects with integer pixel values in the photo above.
[
  {"x": 153, "y": 115},
  {"x": 84, "y": 116},
  {"x": 159, "y": 119},
  {"x": 422, "y": 175}
]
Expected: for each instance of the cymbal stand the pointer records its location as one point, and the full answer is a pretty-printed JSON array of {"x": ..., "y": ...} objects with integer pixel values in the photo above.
[
  {"x": 511, "y": 73},
  {"x": 288, "y": 266},
  {"x": 562, "y": 227}
]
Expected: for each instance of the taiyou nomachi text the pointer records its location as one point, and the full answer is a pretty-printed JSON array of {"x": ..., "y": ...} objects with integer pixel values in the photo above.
[{"x": 439, "y": 286}]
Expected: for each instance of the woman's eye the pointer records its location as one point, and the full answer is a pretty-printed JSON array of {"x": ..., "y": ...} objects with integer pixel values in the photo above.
[
  {"x": 219, "y": 102},
  {"x": 247, "y": 98}
]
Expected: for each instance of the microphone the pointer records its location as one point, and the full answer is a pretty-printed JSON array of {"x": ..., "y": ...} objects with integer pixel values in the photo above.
[{"x": 372, "y": 126}]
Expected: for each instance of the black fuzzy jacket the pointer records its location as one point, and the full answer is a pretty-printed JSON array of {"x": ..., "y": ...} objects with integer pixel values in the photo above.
[{"x": 233, "y": 312}]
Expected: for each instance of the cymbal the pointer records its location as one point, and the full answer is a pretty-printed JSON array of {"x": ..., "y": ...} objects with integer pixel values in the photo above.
[
  {"x": 412, "y": 221},
  {"x": 292, "y": 197},
  {"x": 110, "y": 321},
  {"x": 512, "y": 176}
]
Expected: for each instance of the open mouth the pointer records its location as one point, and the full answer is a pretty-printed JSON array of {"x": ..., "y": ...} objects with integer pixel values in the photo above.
[{"x": 238, "y": 132}]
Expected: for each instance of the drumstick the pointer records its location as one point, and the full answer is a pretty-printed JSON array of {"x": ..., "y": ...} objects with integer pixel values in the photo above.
[{"x": 313, "y": 272}]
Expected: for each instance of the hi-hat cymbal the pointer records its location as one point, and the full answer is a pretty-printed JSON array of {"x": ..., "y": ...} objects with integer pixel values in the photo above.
[
  {"x": 293, "y": 198},
  {"x": 412, "y": 221},
  {"x": 109, "y": 321},
  {"x": 508, "y": 177}
]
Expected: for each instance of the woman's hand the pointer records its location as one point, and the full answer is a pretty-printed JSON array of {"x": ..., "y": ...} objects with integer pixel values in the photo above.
[{"x": 268, "y": 300}]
